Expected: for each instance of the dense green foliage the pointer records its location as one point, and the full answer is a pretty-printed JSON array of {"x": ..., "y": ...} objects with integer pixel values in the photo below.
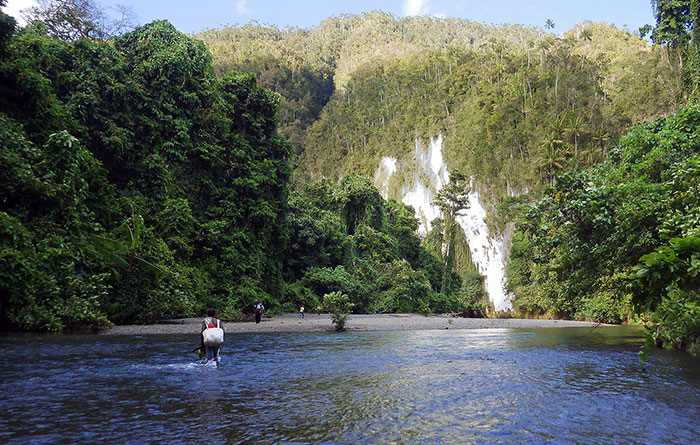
[
  {"x": 338, "y": 305},
  {"x": 343, "y": 237},
  {"x": 137, "y": 186},
  {"x": 300, "y": 69},
  {"x": 134, "y": 184},
  {"x": 578, "y": 248},
  {"x": 621, "y": 239},
  {"x": 675, "y": 24},
  {"x": 668, "y": 280},
  {"x": 142, "y": 178},
  {"x": 516, "y": 105}
]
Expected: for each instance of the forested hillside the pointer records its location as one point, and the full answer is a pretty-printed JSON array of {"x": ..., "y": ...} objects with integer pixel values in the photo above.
[
  {"x": 523, "y": 112},
  {"x": 153, "y": 174},
  {"x": 516, "y": 105},
  {"x": 622, "y": 239},
  {"x": 577, "y": 251},
  {"x": 135, "y": 185}
]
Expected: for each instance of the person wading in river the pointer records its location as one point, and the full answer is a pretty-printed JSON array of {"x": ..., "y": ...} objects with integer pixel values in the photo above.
[{"x": 212, "y": 335}]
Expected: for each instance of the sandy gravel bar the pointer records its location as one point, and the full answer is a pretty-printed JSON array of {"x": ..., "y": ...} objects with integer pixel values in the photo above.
[{"x": 322, "y": 322}]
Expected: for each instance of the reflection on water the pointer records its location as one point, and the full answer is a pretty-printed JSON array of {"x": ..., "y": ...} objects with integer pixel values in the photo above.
[{"x": 573, "y": 385}]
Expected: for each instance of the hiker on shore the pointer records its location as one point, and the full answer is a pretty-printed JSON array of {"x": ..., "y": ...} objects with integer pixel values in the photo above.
[
  {"x": 301, "y": 311},
  {"x": 259, "y": 308}
]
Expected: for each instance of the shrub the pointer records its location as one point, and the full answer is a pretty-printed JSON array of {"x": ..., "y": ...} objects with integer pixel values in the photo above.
[
  {"x": 339, "y": 306},
  {"x": 677, "y": 322}
]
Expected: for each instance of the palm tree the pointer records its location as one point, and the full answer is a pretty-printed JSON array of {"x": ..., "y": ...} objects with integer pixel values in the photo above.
[
  {"x": 576, "y": 128},
  {"x": 120, "y": 252},
  {"x": 498, "y": 46},
  {"x": 586, "y": 34},
  {"x": 588, "y": 153},
  {"x": 557, "y": 125},
  {"x": 549, "y": 24},
  {"x": 601, "y": 138},
  {"x": 543, "y": 45},
  {"x": 553, "y": 157},
  {"x": 530, "y": 45}
]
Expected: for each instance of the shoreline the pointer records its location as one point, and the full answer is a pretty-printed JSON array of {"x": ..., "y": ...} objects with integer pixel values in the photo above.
[{"x": 322, "y": 323}]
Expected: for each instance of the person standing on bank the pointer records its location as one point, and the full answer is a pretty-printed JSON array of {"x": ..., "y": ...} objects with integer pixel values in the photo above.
[
  {"x": 259, "y": 308},
  {"x": 212, "y": 335},
  {"x": 301, "y": 311}
]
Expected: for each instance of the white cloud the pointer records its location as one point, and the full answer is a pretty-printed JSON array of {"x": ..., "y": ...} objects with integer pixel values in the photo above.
[
  {"x": 416, "y": 7},
  {"x": 242, "y": 7},
  {"x": 14, "y": 7}
]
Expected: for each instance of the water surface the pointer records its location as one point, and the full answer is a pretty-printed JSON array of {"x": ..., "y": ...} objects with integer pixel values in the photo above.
[{"x": 469, "y": 386}]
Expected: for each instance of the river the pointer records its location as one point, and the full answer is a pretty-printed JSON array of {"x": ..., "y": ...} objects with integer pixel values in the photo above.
[{"x": 471, "y": 386}]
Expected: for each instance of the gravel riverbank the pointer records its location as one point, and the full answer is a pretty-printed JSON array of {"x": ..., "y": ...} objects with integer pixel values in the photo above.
[{"x": 322, "y": 322}]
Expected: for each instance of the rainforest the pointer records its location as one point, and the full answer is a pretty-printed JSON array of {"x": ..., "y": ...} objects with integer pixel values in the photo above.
[{"x": 149, "y": 174}]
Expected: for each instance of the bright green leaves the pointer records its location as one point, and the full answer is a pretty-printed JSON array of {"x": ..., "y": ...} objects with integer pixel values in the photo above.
[
  {"x": 345, "y": 238},
  {"x": 339, "y": 306},
  {"x": 676, "y": 321},
  {"x": 620, "y": 237},
  {"x": 93, "y": 129},
  {"x": 674, "y": 21},
  {"x": 121, "y": 251},
  {"x": 669, "y": 267}
]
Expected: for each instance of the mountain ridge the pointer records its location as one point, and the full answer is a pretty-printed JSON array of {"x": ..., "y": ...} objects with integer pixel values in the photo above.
[{"x": 357, "y": 88}]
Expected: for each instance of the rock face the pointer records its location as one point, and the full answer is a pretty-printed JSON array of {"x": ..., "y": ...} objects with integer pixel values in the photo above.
[
  {"x": 427, "y": 174},
  {"x": 387, "y": 167}
]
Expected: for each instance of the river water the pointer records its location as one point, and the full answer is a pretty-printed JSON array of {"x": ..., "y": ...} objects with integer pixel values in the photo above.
[{"x": 472, "y": 386}]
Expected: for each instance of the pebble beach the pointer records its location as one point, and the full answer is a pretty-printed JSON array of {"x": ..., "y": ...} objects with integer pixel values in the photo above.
[{"x": 322, "y": 322}]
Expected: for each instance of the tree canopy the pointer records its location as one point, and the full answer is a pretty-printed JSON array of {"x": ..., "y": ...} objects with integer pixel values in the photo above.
[
  {"x": 127, "y": 154},
  {"x": 79, "y": 19}
]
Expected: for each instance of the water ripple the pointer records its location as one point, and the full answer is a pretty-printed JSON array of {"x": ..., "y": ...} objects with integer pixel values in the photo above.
[{"x": 494, "y": 386}]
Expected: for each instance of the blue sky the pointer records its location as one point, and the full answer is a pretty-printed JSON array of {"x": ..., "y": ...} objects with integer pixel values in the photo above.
[{"x": 192, "y": 16}]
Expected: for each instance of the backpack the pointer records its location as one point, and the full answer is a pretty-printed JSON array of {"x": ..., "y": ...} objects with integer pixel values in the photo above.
[{"x": 213, "y": 336}]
